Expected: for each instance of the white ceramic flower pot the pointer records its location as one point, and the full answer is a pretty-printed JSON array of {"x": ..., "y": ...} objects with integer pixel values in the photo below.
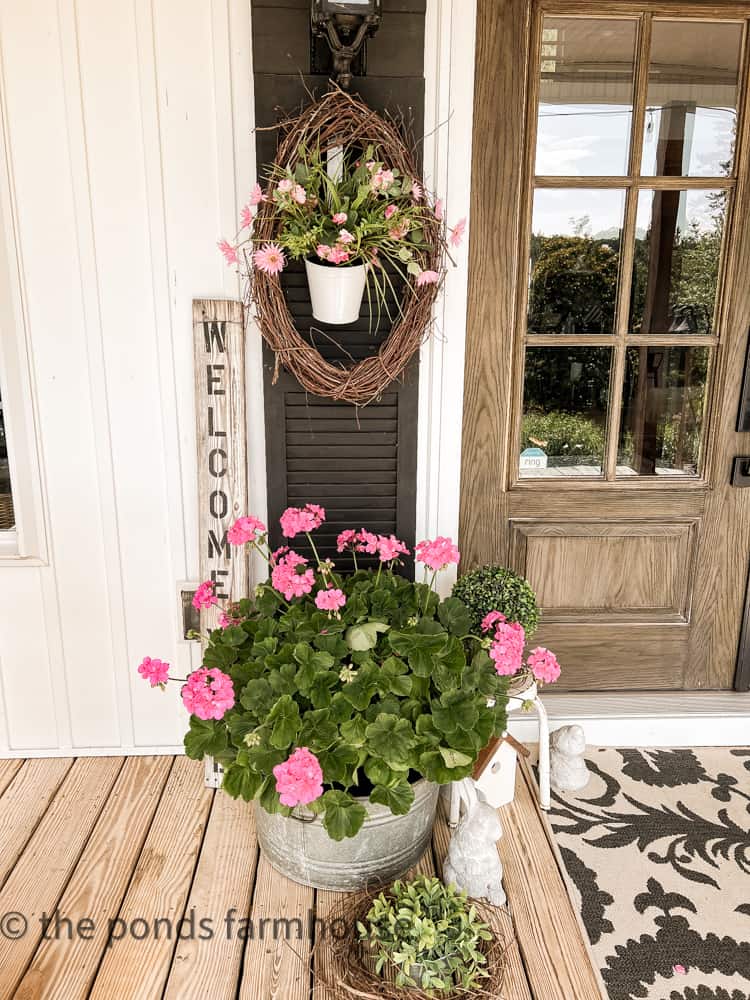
[{"x": 336, "y": 292}]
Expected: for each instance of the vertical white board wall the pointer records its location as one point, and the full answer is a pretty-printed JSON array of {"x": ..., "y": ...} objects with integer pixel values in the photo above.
[{"x": 126, "y": 152}]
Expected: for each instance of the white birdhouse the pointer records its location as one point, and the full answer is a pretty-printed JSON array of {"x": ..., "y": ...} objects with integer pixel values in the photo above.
[{"x": 495, "y": 773}]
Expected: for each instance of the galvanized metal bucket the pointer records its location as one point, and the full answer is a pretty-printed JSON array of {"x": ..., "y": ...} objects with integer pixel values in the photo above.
[{"x": 384, "y": 849}]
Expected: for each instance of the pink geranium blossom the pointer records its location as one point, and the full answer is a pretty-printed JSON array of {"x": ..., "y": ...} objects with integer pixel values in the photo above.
[
  {"x": 489, "y": 621},
  {"x": 391, "y": 211},
  {"x": 245, "y": 530},
  {"x": 287, "y": 579},
  {"x": 270, "y": 258},
  {"x": 543, "y": 665},
  {"x": 438, "y": 554},
  {"x": 230, "y": 252},
  {"x": 507, "y": 648},
  {"x": 457, "y": 233},
  {"x": 366, "y": 542},
  {"x": 299, "y": 780},
  {"x": 256, "y": 196},
  {"x": 345, "y": 539},
  {"x": 204, "y": 596},
  {"x": 338, "y": 255},
  {"x": 390, "y": 548},
  {"x": 208, "y": 694},
  {"x": 298, "y": 520},
  {"x": 339, "y": 218},
  {"x": 330, "y": 600},
  {"x": 225, "y": 620},
  {"x": 154, "y": 671},
  {"x": 427, "y": 278}
]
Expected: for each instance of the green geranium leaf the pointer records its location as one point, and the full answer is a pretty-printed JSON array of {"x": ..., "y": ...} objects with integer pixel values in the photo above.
[
  {"x": 258, "y": 697},
  {"x": 318, "y": 731},
  {"x": 398, "y": 798},
  {"x": 234, "y": 635},
  {"x": 344, "y": 816},
  {"x": 454, "y": 758},
  {"x": 339, "y": 764},
  {"x": 378, "y": 771},
  {"x": 269, "y": 798},
  {"x": 354, "y": 731},
  {"x": 220, "y": 656},
  {"x": 455, "y": 616},
  {"x": 391, "y": 738},
  {"x": 285, "y": 719},
  {"x": 421, "y": 662},
  {"x": 205, "y": 738},
  {"x": 455, "y": 710},
  {"x": 365, "y": 636},
  {"x": 434, "y": 768},
  {"x": 241, "y": 782}
]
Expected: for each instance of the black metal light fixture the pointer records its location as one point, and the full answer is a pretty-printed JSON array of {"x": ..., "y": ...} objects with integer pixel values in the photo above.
[{"x": 345, "y": 24}]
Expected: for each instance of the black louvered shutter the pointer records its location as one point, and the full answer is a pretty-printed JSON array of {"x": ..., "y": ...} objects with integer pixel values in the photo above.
[{"x": 360, "y": 464}]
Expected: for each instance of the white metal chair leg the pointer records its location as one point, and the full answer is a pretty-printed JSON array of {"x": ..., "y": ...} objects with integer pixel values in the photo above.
[
  {"x": 544, "y": 785},
  {"x": 455, "y": 810}
]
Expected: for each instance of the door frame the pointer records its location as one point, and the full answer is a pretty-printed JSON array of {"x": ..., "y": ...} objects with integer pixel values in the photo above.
[{"x": 501, "y": 183}]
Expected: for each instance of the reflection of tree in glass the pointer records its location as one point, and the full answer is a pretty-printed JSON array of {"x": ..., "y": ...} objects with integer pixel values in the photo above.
[
  {"x": 692, "y": 272},
  {"x": 573, "y": 282}
]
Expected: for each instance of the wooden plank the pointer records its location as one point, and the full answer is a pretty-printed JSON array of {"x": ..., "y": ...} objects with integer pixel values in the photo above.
[
  {"x": 8, "y": 770},
  {"x": 65, "y": 965},
  {"x": 42, "y": 872},
  {"x": 223, "y": 886},
  {"x": 219, "y": 345},
  {"x": 277, "y": 968},
  {"x": 161, "y": 883},
  {"x": 24, "y": 803},
  {"x": 554, "y": 952},
  {"x": 515, "y": 984}
]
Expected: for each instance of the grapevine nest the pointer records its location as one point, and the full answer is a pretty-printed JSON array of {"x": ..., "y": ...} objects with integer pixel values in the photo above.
[
  {"x": 345, "y": 966},
  {"x": 340, "y": 120}
]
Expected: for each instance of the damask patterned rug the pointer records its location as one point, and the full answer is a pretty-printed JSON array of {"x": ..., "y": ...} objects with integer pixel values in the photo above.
[{"x": 657, "y": 847}]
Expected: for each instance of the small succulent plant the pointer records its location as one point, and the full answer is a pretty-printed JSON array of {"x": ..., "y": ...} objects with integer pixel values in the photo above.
[{"x": 430, "y": 933}]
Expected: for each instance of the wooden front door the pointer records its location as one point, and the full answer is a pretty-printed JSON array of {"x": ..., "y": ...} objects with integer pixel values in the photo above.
[{"x": 608, "y": 331}]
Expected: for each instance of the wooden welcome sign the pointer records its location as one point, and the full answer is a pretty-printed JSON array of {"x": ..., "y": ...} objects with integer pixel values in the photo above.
[{"x": 219, "y": 345}]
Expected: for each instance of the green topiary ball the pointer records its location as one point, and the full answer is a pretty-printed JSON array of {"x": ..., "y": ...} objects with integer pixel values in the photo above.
[{"x": 496, "y": 588}]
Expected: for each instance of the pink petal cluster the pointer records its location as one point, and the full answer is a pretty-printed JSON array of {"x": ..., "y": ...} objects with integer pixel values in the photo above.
[
  {"x": 299, "y": 194},
  {"x": 507, "y": 648},
  {"x": 400, "y": 231},
  {"x": 246, "y": 216},
  {"x": 338, "y": 255},
  {"x": 438, "y": 554},
  {"x": 390, "y": 211},
  {"x": 457, "y": 233},
  {"x": 427, "y": 278},
  {"x": 270, "y": 258},
  {"x": 299, "y": 780},
  {"x": 208, "y": 694},
  {"x": 296, "y": 520},
  {"x": 229, "y": 252},
  {"x": 323, "y": 251},
  {"x": 256, "y": 196},
  {"x": 330, "y": 600},
  {"x": 416, "y": 191},
  {"x": 345, "y": 237},
  {"x": 339, "y": 218},
  {"x": 366, "y": 542},
  {"x": 286, "y": 578},
  {"x": 245, "y": 530},
  {"x": 345, "y": 539},
  {"x": 382, "y": 180},
  {"x": 390, "y": 548},
  {"x": 155, "y": 671},
  {"x": 439, "y": 210},
  {"x": 286, "y": 186},
  {"x": 544, "y": 665},
  {"x": 489, "y": 620},
  {"x": 204, "y": 596},
  {"x": 225, "y": 620}
]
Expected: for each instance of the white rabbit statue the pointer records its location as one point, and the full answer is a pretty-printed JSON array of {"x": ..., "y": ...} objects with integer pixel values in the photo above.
[{"x": 473, "y": 863}]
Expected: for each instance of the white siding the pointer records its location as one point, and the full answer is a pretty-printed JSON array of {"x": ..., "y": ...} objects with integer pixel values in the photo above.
[{"x": 127, "y": 134}]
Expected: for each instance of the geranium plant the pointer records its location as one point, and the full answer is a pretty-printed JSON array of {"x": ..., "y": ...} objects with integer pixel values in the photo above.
[
  {"x": 323, "y": 688},
  {"x": 364, "y": 212}
]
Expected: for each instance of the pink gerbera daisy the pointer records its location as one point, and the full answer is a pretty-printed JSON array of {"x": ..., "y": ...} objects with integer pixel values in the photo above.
[{"x": 270, "y": 258}]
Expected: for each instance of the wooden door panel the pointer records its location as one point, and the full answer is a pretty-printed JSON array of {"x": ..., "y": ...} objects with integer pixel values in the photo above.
[{"x": 615, "y": 571}]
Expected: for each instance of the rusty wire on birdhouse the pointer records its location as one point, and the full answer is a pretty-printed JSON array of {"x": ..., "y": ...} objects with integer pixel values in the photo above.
[{"x": 340, "y": 120}]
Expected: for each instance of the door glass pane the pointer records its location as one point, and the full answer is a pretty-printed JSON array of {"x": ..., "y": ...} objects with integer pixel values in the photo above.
[
  {"x": 575, "y": 257},
  {"x": 676, "y": 263},
  {"x": 585, "y": 97},
  {"x": 564, "y": 411},
  {"x": 691, "y": 103},
  {"x": 7, "y": 516},
  {"x": 662, "y": 411}
]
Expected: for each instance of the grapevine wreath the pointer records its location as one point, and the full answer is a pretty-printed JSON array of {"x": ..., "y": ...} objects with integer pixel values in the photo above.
[{"x": 340, "y": 120}]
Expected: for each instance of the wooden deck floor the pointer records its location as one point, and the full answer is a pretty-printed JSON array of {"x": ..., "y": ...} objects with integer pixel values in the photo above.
[{"x": 100, "y": 859}]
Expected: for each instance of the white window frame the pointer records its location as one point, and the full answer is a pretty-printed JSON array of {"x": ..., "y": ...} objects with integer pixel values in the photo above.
[{"x": 26, "y": 545}]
